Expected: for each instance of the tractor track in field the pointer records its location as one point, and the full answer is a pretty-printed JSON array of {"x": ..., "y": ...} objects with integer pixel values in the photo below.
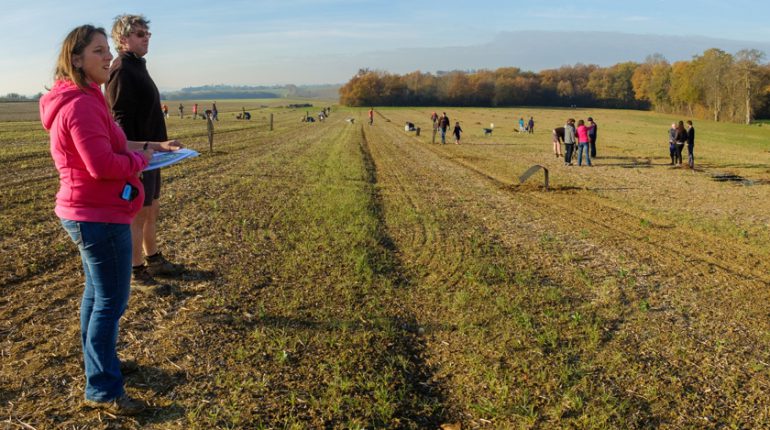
[
  {"x": 422, "y": 381},
  {"x": 414, "y": 189}
]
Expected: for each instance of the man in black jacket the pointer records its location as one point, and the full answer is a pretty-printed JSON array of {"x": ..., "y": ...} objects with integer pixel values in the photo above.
[
  {"x": 135, "y": 104},
  {"x": 592, "y": 132},
  {"x": 443, "y": 125},
  {"x": 690, "y": 144}
]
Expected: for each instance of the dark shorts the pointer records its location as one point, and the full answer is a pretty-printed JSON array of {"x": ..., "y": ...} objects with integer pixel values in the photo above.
[{"x": 151, "y": 182}]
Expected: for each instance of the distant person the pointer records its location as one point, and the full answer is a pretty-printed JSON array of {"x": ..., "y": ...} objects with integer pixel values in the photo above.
[
  {"x": 690, "y": 144},
  {"x": 592, "y": 130},
  {"x": 570, "y": 135},
  {"x": 214, "y": 111},
  {"x": 531, "y": 125},
  {"x": 672, "y": 142},
  {"x": 371, "y": 116},
  {"x": 557, "y": 136},
  {"x": 680, "y": 138},
  {"x": 583, "y": 143},
  {"x": 443, "y": 125},
  {"x": 133, "y": 98},
  {"x": 195, "y": 110},
  {"x": 99, "y": 194},
  {"x": 522, "y": 129},
  {"x": 409, "y": 126},
  {"x": 434, "y": 119},
  {"x": 165, "y": 111},
  {"x": 181, "y": 111},
  {"x": 457, "y": 132}
]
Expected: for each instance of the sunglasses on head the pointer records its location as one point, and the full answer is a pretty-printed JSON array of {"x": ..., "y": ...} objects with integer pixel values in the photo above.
[{"x": 141, "y": 33}]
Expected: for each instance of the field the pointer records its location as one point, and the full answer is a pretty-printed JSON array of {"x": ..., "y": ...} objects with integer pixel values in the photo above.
[{"x": 353, "y": 276}]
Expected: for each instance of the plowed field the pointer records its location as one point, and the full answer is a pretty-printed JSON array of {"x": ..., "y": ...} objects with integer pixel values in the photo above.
[{"x": 352, "y": 276}]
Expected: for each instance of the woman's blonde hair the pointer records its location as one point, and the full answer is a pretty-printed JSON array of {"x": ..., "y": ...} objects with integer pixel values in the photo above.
[
  {"x": 74, "y": 44},
  {"x": 123, "y": 26}
]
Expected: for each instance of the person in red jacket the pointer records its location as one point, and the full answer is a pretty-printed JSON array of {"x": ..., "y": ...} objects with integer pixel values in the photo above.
[
  {"x": 583, "y": 143},
  {"x": 99, "y": 195}
]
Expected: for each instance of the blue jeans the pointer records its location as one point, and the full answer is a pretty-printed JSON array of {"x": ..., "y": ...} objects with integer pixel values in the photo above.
[
  {"x": 105, "y": 250},
  {"x": 581, "y": 147},
  {"x": 443, "y": 135},
  {"x": 691, "y": 155}
]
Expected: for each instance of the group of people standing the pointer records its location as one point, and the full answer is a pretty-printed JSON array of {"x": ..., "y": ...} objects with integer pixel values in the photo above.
[
  {"x": 107, "y": 203},
  {"x": 212, "y": 113},
  {"x": 584, "y": 135},
  {"x": 442, "y": 123},
  {"x": 680, "y": 135},
  {"x": 528, "y": 127}
]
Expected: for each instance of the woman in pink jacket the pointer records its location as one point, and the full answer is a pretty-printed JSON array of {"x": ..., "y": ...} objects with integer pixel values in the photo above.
[
  {"x": 99, "y": 194},
  {"x": 583, "y": 143}
]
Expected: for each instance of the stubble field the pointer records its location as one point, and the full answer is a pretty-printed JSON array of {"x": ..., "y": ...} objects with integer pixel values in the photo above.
[{"x": 353, "y": 276}]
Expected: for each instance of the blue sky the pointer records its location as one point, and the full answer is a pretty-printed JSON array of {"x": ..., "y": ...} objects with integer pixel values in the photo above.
[{"x": 267, "y": 42}]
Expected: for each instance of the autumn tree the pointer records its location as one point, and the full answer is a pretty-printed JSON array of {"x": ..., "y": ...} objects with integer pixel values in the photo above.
[
  {"x": 713, "y": 67},
  {"x": 684, "y": 93},
  {"x": 364, "y": 89},
  {"x": 751, "y": 81},
  {"x": 613, "y": 85},
  {"x": 727, "y": 87}
]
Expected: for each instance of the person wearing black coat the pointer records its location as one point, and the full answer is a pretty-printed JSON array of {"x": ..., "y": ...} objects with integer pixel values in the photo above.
[
  {"x": 680, "y": 138},
  {"x": 690, "y": 144},
  {"x": 134, "y": 100},
  {"x": 443, "y": 125},
  {"x": 592, "y": 130}
]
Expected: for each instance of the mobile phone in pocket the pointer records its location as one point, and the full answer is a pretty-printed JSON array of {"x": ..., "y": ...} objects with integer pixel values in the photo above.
[{"x": 129, "y": 192}]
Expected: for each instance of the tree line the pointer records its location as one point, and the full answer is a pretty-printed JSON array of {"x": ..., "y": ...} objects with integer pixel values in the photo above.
[
  {"x": 715, "y": 84},
  {"x": 16, "y": 97},
  {"x": 251, "y": 92}
]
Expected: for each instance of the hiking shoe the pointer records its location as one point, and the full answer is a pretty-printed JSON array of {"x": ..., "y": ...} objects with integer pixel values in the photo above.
[
  {"x": 157, "y": 265},
  {"x": 123, "y": 405},
  {"x": 142, "y": 280}
]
